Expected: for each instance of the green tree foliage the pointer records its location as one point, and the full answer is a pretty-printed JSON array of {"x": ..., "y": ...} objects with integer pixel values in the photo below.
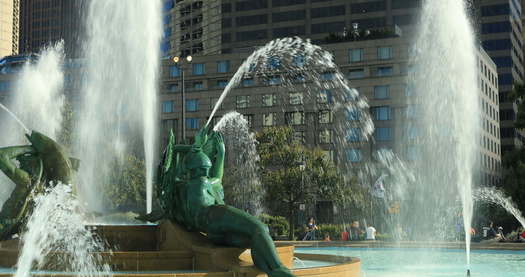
[
  {"x": 126, "y": 190},
  {"x": 293, "y": 174},
  {"x": 514, "y": 161},
  {"x": 518, "y": 96}
]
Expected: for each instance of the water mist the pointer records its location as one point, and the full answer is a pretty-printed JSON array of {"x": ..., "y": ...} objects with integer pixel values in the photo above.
[
  {"x": 37, "y": 103},
  {"x": 118, "y": 113},
  {"x": 443, "y": 79}
]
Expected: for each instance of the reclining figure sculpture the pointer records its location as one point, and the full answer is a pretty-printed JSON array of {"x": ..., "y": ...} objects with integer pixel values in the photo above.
[
  {"x": 190, "y": 193},
  {"x": 32, "y": 168}
]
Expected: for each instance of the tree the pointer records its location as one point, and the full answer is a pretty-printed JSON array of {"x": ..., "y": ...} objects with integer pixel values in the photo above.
[
  {"x": 126, "y": 190},
  {"x": 518, "y": 96},
  {"x": 514, "y": 161},
  {"x": 293, "y": 174}
]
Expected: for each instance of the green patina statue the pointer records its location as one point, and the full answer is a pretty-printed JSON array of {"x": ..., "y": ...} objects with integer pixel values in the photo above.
[
  {"x": 191, "y": 194},
  {"x": 32, "y": 168}
]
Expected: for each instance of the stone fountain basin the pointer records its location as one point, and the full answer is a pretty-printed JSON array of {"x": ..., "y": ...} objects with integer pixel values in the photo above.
[{"x": 167, "y": 249}]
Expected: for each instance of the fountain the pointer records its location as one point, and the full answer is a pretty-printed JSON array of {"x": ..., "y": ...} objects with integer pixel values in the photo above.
[
  {"x": 245, "y": 190},
  {"x": 196, "y": 233},
  {"x": 118, "y": 105},
  {"x": 495, "y": 196}
]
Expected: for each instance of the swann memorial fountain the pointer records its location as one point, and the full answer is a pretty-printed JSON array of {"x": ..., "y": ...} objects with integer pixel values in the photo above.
[{"x": 197, "y": 234}]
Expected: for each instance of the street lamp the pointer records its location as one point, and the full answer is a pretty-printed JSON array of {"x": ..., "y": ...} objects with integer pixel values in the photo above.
[{"x": 180, "y": 62}]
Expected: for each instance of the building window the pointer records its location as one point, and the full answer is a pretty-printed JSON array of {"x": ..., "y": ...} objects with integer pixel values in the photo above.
[
  {"x": 327, "y": 76},
  {"x": 299, "y": 78},
  {"x": 269, "y": 100},
  {"x": 168, "y": 106},
  {"x": 274, "y": 80},
  {"x": 168, "y": 125},
  {"x": 356, "y": 73},
  {"x": 383, "y": 134},
  {"x": 381, "y": 113},
  {"x": 223, "y": 66},
  {"x": 299, "y": 137},
  {"x": 249, "y": 118},
  {"x": 243, "y": 101},
  {"x": 496, "y": 27},
  {"x": 192, "y": 105},
  {"x": 354, "y": 135},
  {"x": 325, "y": 136},
  {"x": 324, "y": 96},
  {"x": 325, "y": 117},
  {"x": 174, "y": 71},
  {"x": 269, "y": 119},
  {"x": 274, "y": 62},
  {"x": 198, "y": 69},
  {"x": 384, "y": 53},
  {"x": 248, "y": 82},
  {"x": 381, "y": 92},
  {"x": 296, "y": 98},
  {"x": 384, "y": 71},
  {"x": 299, "y": 61},
  {"x": 173, "y": 88},
  {"x": 328, "y": 11},
  {"x": 198, "y": 85},
  {"x": 222, "y": 83},
  {"x": 353, "y": 114},
  {"x": 294, "y": 118},
  {"x": 354, "y": 155},
  {"x": 192, "y": 123},
  {"x": 355, "y": 55}
]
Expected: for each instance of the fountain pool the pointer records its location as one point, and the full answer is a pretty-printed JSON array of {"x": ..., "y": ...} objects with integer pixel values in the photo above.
[{"x": 424, "y": 262}]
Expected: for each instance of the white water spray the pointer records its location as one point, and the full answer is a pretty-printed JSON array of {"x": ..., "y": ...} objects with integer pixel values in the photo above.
[
  {"x": 55, "y": 228},
  {"x": 495, "y": 196},
  {"x": 444, "y": 81},
  {"x": 36, "y": 103},
  {"x": 241, "y": 163},
  {"x": 119, "y": 94}
]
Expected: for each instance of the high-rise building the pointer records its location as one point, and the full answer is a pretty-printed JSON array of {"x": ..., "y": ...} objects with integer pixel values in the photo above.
[
  {"x": 8, "y": 27},
  {"x": 230, "y": 26},
  {"x": 500, "y": 31},
  {"x": 44, "y": 21}
]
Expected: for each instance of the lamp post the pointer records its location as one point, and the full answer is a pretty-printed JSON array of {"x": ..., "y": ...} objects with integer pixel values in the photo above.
[{"x": 179, "y": 61}]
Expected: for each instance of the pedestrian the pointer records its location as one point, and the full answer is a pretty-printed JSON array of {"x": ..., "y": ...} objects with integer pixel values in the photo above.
[
  {"x": 370, "y": 233},
  {"x": 311, "y": 227}
]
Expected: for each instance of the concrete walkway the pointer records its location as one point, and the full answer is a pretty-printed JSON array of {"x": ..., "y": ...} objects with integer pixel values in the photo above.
[{"x": 486, "y": 245}]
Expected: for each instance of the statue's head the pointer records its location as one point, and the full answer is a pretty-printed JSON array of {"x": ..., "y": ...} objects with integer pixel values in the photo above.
[{"x": 198, "y": 163}]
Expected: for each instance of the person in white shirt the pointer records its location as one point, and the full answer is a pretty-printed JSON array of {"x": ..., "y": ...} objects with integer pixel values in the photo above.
[{"x": 370, "y": 233}]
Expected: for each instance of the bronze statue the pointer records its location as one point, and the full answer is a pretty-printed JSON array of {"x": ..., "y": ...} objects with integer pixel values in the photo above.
[
  {"x": 191, "y": 194},
  {"x": 40, "y": 165}
]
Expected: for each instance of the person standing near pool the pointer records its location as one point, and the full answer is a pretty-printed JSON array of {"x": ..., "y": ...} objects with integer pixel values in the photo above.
[{"x": 370, "y": 233}]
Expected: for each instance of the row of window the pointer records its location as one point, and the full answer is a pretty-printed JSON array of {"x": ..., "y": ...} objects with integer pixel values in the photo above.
[
  {"x": 371, "y": 6},
  {"x": 192, "y": 105},
  {"x": 200, "y": 68},
  {"x": 490, "y": 145},
  {"x": 357, "y": 55}
]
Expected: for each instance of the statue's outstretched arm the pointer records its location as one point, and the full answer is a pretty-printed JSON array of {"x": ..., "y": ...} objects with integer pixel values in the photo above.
[
  {"x": 7, "y": 154},
  {"x": 182, "y": 148},
  {"x": 217, "y": 169}
]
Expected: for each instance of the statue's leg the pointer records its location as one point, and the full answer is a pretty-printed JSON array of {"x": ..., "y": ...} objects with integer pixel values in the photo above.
[{"x": 238, "y": 228}]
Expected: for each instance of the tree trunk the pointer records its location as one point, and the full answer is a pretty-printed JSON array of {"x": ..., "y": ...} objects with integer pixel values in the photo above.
[{"x": 291, "y": 221}]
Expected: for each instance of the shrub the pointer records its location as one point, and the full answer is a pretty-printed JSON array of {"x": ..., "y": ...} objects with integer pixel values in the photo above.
[
  {"x": 334, "y": 230},
  {"x": 278, "y": 225}
]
